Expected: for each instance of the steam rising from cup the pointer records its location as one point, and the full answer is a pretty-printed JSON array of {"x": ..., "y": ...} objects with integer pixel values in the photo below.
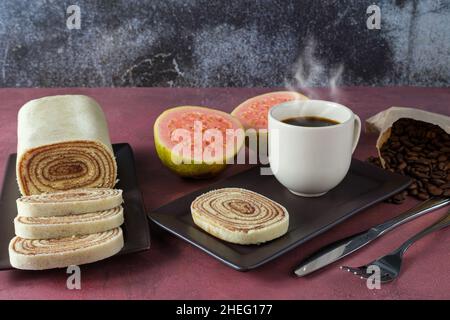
[{"x": 310, "y": 72}]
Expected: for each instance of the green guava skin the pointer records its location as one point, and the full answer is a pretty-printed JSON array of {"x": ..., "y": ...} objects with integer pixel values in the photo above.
[
  {"x": 188, "y": 170},
  {"x": 191, "y": 170}
]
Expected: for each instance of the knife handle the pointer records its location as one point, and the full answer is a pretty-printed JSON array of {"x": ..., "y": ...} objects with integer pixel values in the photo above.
[{"x": 415, "y": 212}]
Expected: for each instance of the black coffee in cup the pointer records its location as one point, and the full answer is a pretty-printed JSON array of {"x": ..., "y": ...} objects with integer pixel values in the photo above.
[{"x": 310, "y": 121}]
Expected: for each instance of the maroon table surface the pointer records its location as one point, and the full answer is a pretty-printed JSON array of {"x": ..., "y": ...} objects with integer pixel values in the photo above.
[{"x": 174, "y": 269}]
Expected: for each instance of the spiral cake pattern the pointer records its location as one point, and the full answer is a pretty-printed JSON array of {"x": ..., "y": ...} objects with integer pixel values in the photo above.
[
  {"x": 239, "y": 216},
  {"x": 75, "y": 218},
  {"x": 65, "y": 226},
  {"x": 74, "y": 201},
  {"x": 61, "y": 245},
  {"x": 66, "y": 165},
  {"x": 72, "y": 195},
  {"x": 35, "y": 254}
]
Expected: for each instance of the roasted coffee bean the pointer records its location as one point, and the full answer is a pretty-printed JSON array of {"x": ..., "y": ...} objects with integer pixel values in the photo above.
[
  {"x": 402, "y": 165},
  {"x": 422, "y": 151},
  {"x": 423, "y": 196},
  {"x": 442, "y": 165},
  {"x": 438, "y": 174},
  {"x": 433, "y": 154},
  {"x": 438, "y": 182},
  {"x": 420, "y": 184},
  {"x": 412, "y": 186},
  {"x": 398, "y": 198},
  {"x": 374, "y": 160},
  {"x": 445, "y": 186},
  {"x": 408, "y": 143},
  {"x": 423, "y": 161},
  {"x": 434, "y": 191},
  {"x": 419, "y": 174},
  {"x": 431, "y": 135},
  {"x": 421, "y": 168}
]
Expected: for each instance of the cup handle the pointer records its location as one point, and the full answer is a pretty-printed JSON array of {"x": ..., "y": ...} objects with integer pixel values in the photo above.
[{"x": 356, "y": 132}]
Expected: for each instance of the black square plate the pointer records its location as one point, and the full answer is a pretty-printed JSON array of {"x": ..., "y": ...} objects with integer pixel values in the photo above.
[
  {"x": 135, "y": 228},
  {"x": 363, "y": 186}
]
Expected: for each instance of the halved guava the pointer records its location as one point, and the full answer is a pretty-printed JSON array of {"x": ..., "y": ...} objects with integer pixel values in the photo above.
[
  {"x": 253, "y": 112},
  {"x": 197, "y": 141}
]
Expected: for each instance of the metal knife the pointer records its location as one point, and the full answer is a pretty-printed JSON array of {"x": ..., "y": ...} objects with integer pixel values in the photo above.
[{"x": 344, "y": 247}]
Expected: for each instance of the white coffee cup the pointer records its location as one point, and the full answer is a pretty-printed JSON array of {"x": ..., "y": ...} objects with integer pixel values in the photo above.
[{"x": 310, "y": 161}]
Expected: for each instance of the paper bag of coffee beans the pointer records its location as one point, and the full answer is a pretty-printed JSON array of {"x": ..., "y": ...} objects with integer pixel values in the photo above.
[{"x": 415, "y": 143}]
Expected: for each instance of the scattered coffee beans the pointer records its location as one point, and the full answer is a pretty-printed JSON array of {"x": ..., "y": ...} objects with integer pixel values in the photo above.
[{"x": 422, "y": 151}]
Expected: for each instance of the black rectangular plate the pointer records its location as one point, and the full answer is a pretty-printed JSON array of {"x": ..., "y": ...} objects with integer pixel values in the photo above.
[
  {"x": 135, "y": 228},
  {"x": 363, "y": 186}
]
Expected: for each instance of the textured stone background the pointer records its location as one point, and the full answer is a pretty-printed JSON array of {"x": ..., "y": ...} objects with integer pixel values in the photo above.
[{"x": 224, "y": 43}]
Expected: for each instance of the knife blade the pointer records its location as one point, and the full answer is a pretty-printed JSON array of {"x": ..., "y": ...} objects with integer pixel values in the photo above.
[{"x": 341, "y": 248}]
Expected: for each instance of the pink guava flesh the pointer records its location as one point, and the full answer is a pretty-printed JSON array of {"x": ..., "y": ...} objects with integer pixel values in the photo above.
[
  {"x": 188, "y": 119},
  {"x": 254, "y": 112}
]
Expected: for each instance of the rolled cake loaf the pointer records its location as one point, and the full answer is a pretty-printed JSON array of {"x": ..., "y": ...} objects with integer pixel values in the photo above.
[
  {"x": 30, "y": 254},
  {"x": 66, "y": 226},
  {"x": 239, "y": 216},
  {"x": 63, "y": 143},
  {"x": 74, "y": 201}
]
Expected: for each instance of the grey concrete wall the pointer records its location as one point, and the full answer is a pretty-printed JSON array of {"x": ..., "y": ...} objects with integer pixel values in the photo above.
[{"x": 224, "y": 43}]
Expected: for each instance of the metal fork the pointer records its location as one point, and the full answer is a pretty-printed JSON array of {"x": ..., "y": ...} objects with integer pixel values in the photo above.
[{"x": 391, "y": 263}]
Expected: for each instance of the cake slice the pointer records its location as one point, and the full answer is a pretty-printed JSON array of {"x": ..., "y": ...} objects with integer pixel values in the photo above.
[
  {"x": 29, "y": 254},
  {"x": 66, "y": 226},
  {"x": 239, "y": 216},
  {"x": 74, "y": 201}
]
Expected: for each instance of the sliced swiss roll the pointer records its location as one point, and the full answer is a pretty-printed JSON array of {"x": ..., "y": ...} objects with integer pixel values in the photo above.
[
  {"x": 63, "y": 143},
  {"x": 68, "y": 202},
  {"x": 66, "y": 226},
  {"x": 240, "y": 216},
  {"x": 33, "y": 254}
]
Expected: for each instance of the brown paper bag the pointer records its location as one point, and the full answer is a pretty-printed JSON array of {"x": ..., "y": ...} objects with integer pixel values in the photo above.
[{"x": 382, "y": 122}]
